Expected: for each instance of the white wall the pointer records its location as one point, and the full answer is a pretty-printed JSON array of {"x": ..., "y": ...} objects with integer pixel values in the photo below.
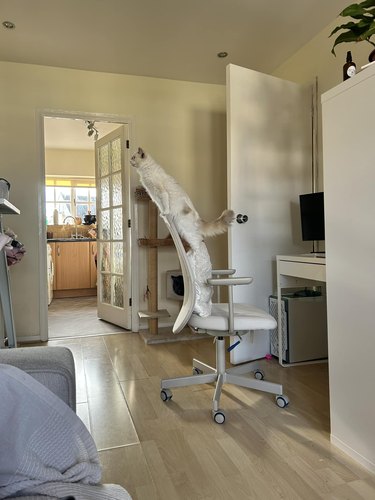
[{"x": 182, "y": 124}]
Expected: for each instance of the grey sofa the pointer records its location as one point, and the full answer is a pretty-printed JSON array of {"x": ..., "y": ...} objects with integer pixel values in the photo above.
[
  {"x": 51, "y": 366},
  {"x": 54, "y": 368}
]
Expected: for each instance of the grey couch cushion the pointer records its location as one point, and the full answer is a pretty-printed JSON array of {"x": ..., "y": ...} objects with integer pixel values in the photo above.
[{"x": 51, "y": 366}]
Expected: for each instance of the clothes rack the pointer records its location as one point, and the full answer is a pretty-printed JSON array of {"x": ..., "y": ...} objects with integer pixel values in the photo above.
[{"x": 6, "y": 208}]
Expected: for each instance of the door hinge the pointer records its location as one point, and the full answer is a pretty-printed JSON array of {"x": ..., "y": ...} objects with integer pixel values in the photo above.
[
  {"x": 129, "y": 223},
  {"x": 127, "y": 144},
  {"x": 130, "y": 302}
]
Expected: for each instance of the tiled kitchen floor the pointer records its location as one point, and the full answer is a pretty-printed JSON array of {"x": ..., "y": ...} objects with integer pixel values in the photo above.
[{"x": 76, "y": 317}]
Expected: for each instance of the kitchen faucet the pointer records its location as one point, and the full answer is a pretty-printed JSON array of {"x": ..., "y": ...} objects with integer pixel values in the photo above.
[{"x": 75, "y": 223}]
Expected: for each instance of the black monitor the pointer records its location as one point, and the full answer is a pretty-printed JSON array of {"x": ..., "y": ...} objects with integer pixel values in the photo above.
[{"x": 312, "y": 216}]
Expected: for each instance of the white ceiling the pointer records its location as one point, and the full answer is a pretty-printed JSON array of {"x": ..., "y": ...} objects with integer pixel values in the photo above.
[
  {"x": 66, "y": 133},
  {"x": 176, "y": 39}
]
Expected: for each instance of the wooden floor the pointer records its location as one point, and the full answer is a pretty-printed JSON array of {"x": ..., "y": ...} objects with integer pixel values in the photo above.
[{"x": 173, "y": 451}]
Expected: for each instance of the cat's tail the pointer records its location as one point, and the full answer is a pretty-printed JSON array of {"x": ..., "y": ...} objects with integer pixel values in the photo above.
[{"x": 218, "y": 226}]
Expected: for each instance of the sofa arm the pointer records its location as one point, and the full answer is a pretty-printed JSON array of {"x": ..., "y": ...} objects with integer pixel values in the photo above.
[{"x": 52, "y": 366}]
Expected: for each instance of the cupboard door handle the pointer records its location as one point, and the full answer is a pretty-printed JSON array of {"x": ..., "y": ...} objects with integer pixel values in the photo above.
[{"x": 58, "y": 251}]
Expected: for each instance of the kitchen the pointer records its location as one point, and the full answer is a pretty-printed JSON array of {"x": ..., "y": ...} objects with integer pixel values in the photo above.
[{"x": 71, "y": 227}]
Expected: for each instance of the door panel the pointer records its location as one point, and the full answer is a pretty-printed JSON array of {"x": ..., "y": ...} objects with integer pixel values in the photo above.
[
  {"x": 113, "y": 236},
  {"x": 269, "y": 165},
  {"x": 72, "y": 265}
]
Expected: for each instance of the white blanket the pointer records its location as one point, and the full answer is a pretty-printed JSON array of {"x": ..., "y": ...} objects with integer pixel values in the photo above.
[{"x": 45, "y": 449}]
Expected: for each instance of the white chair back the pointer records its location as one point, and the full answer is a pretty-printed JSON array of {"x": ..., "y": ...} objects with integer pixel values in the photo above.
[{"x": 187, "y": 274}]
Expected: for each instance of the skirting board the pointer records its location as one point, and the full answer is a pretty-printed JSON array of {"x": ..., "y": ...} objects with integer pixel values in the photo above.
[
  {"x": 166, "y": 335},
  {"x": 353, "y": 454},
  {"x": 28, "y": 339}
]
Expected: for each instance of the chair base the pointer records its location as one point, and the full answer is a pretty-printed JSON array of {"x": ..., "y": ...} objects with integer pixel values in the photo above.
[{"x": 238, "y": 375}]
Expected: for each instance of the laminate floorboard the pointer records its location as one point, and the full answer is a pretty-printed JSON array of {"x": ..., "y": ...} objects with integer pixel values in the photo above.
[{"x": 174, "y": 450}]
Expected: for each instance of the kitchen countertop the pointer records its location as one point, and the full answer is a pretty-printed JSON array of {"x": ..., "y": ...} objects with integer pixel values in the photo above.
[{"x": 69, "y": 240}]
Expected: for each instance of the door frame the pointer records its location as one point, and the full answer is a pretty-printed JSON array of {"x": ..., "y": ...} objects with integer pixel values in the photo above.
[{"x": 120, "y": 119}]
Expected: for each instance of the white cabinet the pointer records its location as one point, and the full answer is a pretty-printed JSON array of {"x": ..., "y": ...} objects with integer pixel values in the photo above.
[{"x": 349, "y": 185}]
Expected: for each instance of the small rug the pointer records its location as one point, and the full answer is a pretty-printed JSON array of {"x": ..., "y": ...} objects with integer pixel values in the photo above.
[{"x": 165, "y": 335}]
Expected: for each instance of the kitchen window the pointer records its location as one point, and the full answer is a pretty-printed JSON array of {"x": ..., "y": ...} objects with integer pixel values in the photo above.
[{"x": 70, "y": 196}]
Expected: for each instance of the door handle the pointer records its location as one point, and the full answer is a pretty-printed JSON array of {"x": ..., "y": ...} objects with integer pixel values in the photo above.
[{"x": 242, "y": 219}]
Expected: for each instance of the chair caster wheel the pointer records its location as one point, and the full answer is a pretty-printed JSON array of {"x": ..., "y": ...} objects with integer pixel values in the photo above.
[
  {"x": 259, "y": 374},
  {"x": 282, "y": 401},
  {"x": 218, "y": 416},
  {"x": 197, "y": 371},
  {"x": 166, "y": 394}
]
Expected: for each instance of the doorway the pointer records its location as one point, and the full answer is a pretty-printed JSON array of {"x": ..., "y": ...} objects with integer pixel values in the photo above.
[{"x": 69, "y": 153}]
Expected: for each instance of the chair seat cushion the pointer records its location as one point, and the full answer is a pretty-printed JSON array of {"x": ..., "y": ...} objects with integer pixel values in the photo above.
[{"x": 246, "y": 318}]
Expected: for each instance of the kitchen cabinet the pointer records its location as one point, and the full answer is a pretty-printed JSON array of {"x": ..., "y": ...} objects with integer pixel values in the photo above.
[
  {"x": 72, "y": 265},
  {"x": 93, "y": 272},
  {"x": 74, "y": 268},
  {"x": 53, "y": 255}
]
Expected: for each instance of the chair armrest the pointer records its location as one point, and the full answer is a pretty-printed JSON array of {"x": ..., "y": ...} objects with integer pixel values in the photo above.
[
  {"x": 229, "y": 281},
  {"x": 52, "y": 366},
  {"x": 223, "y": 272}
]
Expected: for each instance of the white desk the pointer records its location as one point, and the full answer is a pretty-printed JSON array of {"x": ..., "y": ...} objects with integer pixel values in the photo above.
[{"x": 293, "y": 271}]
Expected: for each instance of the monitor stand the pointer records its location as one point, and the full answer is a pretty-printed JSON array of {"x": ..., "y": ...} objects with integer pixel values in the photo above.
[{"x": 321, "y": 254}]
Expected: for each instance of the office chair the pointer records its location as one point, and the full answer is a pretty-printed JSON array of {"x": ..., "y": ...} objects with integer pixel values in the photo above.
[{"x": 225, "y": 320}]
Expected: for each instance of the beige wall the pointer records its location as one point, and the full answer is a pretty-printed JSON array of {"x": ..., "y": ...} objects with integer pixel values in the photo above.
[
  {"x": 316, "y": 60},
  {"x": 71, "y": 162},
  {"x": 181, "y": 123}
]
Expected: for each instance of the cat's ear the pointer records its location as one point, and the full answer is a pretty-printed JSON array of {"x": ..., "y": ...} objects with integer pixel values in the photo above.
[{"x": 141, "y": 152}]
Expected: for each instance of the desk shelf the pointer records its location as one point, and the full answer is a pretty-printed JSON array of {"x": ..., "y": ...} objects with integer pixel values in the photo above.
[
  {"x": 7, "y": 208},
  {"x": 294, "y": 271}
]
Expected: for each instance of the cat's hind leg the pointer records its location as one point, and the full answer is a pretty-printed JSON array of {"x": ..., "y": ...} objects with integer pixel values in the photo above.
[{"x": 164, "y": 203}]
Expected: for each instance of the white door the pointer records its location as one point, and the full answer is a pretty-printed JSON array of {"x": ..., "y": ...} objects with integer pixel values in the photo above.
[
  {"x": 269, "y": 165},
  {"x": 114, "y": 237}
]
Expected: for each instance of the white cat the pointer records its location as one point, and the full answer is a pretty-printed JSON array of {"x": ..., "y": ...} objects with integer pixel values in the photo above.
[{"x": 171, "y": 199}]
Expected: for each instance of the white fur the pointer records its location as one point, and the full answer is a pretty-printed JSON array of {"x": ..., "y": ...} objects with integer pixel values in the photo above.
[{"x": 171, "y": 199}]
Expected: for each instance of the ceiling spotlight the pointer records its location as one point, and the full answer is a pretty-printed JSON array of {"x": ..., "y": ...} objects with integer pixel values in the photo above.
[
  {"x": 9, "y": 25},
  {"x": 222, "y": 54}
]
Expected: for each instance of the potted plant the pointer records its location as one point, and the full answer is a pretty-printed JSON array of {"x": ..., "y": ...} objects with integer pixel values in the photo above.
[{"x": 361, "y": 29}]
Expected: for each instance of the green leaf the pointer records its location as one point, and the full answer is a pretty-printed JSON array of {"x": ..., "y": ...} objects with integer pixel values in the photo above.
[
  {"x": 367, "y": 3},
  {"x": 348, "y": 36},
  {"x": 348, "y": 26},
  {"x": 367, "y": 34},
  {"x": 353, "y": 10}
]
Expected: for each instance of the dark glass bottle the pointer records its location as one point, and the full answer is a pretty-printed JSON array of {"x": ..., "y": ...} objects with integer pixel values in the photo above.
[{"x": 349, "y": 68}]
